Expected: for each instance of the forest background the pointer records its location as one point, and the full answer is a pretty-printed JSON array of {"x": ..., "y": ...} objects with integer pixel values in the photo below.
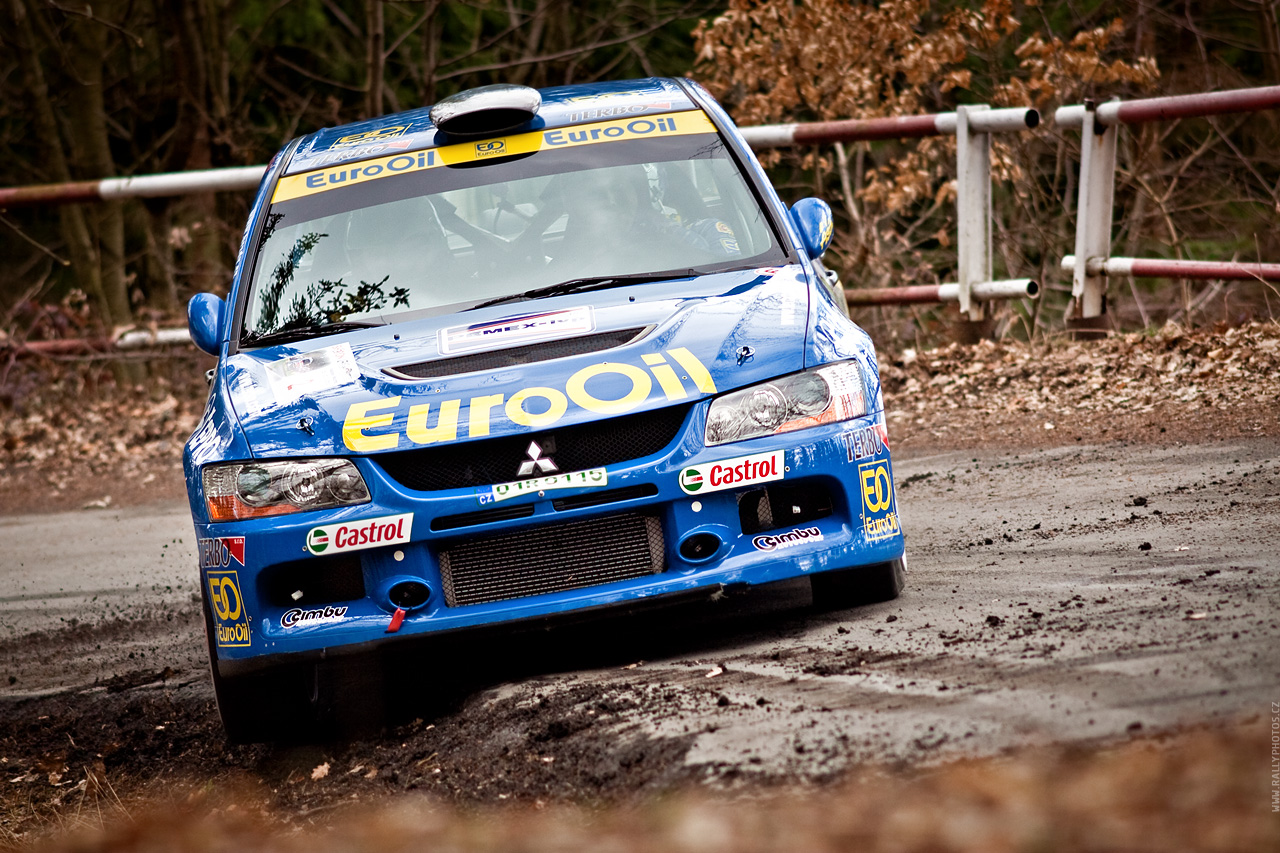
[{"x": 135, "y": 87}]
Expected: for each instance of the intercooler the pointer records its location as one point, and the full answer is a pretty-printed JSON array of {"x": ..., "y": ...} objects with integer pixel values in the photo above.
[{"x": 553, "y": 558}]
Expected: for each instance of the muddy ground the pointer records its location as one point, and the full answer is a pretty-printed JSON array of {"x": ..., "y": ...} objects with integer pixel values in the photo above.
[{"x": 1094, "y": 582}]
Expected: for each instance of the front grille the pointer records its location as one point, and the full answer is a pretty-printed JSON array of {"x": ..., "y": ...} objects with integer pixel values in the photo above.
[
  {"x": 554, "y": 558},
  {"x": 497, "y": 460},
  {"x": 513, "y": 356}
]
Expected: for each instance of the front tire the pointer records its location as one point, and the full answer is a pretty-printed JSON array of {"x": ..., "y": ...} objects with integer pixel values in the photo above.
[
  {"x": 845, "y": 588},
  {"x": 337, "y": 698},
  {"x": 254, "y": 708}
]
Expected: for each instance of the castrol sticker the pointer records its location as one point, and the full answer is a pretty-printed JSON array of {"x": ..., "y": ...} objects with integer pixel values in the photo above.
[
  {"x": 357, "y": 535},
  {"x": 732, "y": 473}
]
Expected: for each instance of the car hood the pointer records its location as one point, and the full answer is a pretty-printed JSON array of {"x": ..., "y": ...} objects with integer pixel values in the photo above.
[{"x": 520, "y": 367}]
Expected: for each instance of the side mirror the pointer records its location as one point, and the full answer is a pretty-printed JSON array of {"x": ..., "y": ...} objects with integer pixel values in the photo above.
[
  {"x": 204, "y": 320},
  {"x": 812, "y": 218}
]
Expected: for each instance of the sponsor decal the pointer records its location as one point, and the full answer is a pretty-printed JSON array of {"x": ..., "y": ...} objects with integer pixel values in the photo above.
[
  {"x": 380, "y": 134},
  {"x": 491, "y": 148},
  {"x": 358, "y": 535},
  {"x": 865, "y": 442},
  {"x": 593, "y": 113},
  {"x": 731, "y": 473},
  {"x": 517, "y": 330},
  {"x": 797, "y": 536},
  {"x": 335, "y": 177},
  {"x": 343, "y": 155},
  {"x": 605, "y": 388},
  {"x": 219, "y": 552},
  {"x": 297, "y": 616},
  {"x": 592, "y": 478},
  {"x": 879, "y": 516},
  {"x": 312, "y": 372},
  {"x": 230, "y": 622}
]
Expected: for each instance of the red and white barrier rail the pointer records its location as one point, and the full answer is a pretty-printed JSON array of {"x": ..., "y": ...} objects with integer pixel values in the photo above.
[
  {"x": 239, "y": 178},
  {"x": 1016, "y": 288},
  {"x": 1172, "y": 107},
  {"x": 895, "y": 127},
  {"x": 1098, "y": 125},
  {"x": 1158, "y": 268},
  {"x": 137, "y": 339}
]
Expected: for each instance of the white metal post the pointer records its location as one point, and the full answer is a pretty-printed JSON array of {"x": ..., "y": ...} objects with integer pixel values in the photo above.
[
  {"x": 973, "y": 208},
  {"x": 1093, "y": 215}
]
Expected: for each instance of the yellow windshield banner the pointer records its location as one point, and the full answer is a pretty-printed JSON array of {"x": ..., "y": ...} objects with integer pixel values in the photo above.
[{"x": 347, "y": 174}]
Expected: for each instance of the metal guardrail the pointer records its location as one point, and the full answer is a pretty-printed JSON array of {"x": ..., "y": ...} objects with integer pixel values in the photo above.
[
  {"x": 237, "y": 178},
  {"x": 131, "y": 340},
  {"x": 893, "y": 127},
  {"x": 972, "y": 126},
  {"x": 1098, "y": 125}
]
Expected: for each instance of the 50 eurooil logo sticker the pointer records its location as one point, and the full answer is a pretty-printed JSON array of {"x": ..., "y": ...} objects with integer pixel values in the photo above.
[
  {"x": 230, "y": 621},
  {"x": 879, "y": 516}
]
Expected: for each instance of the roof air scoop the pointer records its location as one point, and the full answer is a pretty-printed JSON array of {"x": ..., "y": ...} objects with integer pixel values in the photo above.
[{"x": 486, "y": 111}]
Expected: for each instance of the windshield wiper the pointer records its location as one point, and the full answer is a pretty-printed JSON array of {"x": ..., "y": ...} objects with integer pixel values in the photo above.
[
  {"x": 288, "y": 336},
  {"x": 578, "y": 285}
]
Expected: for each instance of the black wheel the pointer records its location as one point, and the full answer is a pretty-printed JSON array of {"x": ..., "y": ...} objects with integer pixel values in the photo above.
[
  {"x": 262, "y": 706},
  {"x": 872, "y": 584},
  {"x": 340, "y": 698}
]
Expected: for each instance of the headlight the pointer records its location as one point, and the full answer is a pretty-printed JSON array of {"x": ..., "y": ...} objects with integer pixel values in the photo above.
[
  {"x": 823, "y": 395},
  {"x": 258, "y": 489}
]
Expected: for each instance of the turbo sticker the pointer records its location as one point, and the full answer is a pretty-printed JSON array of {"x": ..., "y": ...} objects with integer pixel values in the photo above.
[
  {"x": 606, "y": 388},
  {"x": 358, "y": 535},
  {"x": 865, "y": 442},
  {"x": 230, "y": 622},
  {"x": 218, "y": 553},
  {"x": 320, "y": 180},
  {"x": 731, "y": 473},
  {"x": 879, "y": 516}
]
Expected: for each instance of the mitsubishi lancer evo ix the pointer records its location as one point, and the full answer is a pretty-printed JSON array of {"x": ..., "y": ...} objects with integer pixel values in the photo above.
[{"x": 524, "y": 353}]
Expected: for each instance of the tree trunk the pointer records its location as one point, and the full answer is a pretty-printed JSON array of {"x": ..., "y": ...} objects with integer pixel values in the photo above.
[
  {"x": 375, "y": 41},
  {"x": 92, "y": 150},
  {"x": 75, "y": 229}
]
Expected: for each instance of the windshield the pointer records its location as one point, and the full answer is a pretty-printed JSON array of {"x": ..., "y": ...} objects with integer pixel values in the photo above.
[{"x": 436, "y": 240}]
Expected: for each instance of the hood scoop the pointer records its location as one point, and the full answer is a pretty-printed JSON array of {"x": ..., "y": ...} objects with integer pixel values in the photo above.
[
  {"x": 486, "y": 111},
  {"x": 515, "y": 356}
]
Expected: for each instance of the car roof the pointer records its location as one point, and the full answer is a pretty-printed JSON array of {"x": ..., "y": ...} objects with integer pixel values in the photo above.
[{"x": 413, "y": 130}]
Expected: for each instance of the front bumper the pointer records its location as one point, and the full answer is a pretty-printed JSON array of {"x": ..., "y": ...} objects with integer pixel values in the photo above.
[{"x": 828, "y": 503}]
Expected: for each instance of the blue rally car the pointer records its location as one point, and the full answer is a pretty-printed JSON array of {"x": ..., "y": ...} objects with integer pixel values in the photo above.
[{"x": 522, "y": 354}]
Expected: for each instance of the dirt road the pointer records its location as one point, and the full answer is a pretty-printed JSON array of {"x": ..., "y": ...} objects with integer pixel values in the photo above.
[{"x": 1058, "y": 595}]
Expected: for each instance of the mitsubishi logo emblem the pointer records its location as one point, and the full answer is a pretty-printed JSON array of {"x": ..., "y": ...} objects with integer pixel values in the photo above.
[{"x": 536, "y": 460}]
